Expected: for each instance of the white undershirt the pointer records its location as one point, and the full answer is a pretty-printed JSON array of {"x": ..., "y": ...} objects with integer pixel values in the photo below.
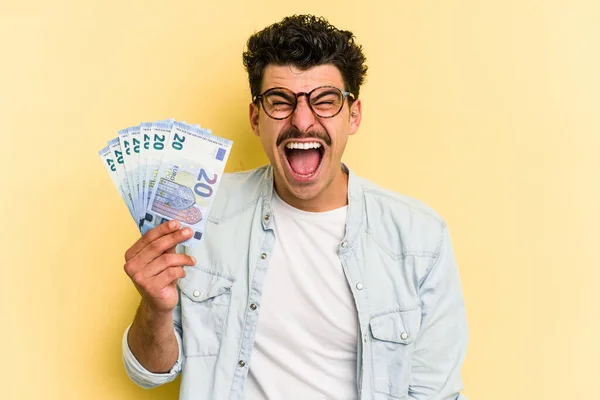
[{"x": 305, "y": 346}]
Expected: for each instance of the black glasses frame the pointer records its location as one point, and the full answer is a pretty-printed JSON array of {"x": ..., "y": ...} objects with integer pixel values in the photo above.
[{"x": 261, "y": 97}]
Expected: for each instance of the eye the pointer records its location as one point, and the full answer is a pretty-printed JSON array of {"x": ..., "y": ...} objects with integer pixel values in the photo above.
[
  {"x": 325, "y": 98},
  {"x": 279, "y": 101}
]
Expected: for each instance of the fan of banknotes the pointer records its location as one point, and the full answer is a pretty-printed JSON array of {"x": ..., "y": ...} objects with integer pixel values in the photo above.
[{"x": 167, "y": 170}]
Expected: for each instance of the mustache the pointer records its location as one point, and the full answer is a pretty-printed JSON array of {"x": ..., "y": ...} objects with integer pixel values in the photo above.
[{"x": 294, "y": 133}]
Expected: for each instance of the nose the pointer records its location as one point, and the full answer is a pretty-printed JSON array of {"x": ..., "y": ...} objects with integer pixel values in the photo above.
[{"x": 303, "y": 117}]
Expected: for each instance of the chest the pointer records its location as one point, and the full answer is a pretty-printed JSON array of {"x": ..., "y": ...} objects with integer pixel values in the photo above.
[{"x": 305, "y": 293}]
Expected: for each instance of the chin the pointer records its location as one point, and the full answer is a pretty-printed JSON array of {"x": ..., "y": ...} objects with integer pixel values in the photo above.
[{"x": 301, "y": 188}]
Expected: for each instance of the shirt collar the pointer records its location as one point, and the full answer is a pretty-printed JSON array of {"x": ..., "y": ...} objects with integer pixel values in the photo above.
[{"x": 355, "y": 214}]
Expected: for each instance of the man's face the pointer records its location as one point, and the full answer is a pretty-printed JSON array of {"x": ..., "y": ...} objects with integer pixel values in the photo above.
[{"x": 311, "y": 172}]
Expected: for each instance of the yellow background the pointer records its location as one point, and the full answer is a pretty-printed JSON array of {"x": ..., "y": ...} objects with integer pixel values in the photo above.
[{"x": 486, "y": 110}]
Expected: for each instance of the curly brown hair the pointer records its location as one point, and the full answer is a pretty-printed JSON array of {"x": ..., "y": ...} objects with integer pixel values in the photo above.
[{"x": 305, "y": 41}]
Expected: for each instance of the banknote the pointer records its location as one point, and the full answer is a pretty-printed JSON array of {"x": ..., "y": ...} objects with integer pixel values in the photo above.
[
  {"x": 145, "y": 140},
  {"x": 111, "y": 168},
  {"x": 160, "y": 133},
  {"x": 123, "y": 184},
  {"x": 128, "y": 138},
  {"x": 166, "y": 170},
  {"x": 188, "y": 178}
]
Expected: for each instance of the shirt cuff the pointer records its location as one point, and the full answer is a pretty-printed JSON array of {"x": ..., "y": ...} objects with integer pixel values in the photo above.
[{"x": 140, "y": 375}]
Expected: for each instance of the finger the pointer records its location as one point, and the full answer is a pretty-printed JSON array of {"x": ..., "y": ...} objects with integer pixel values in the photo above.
[
  {"x": 158, "y": 247},
  {"x": 166, "y": 261},
  {"x": 135, "y": 266},
  {"x": 168, "y": 277},
  {"x": 171, "y": 250},
  {"x": 161, "y": 230}
]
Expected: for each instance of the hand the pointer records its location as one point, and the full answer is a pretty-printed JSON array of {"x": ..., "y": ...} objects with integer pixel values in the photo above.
[{"x": 154, "y": 267}]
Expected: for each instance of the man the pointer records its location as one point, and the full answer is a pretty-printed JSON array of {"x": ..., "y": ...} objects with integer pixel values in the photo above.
[{"x": 310, "y": 282}]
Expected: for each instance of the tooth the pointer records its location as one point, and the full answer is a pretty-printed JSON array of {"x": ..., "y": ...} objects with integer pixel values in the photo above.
[{"x": 303, "y": 146}]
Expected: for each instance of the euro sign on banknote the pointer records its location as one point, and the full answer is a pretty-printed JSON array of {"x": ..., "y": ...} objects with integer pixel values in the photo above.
[{"x": 167, "y": 170}]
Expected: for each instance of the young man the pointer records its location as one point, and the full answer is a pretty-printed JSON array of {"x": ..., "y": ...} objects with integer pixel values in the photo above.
[{"x": 310, "y": 282}]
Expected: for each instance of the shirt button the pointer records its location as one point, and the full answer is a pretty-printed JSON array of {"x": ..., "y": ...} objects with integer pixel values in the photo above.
[
  {"x": 253, "y": 306},
  {"x": 263, "y": 255},
  {"x": 196, "y": 293},
  {"x": 359, "y": 286},
  {"x": 404, "y": 336},
  {"x": 344, "y": 244},
  {"x": 241, "y": 363}
]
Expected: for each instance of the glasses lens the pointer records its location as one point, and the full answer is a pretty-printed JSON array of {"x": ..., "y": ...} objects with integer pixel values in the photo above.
[
  {"x": 279, "y": 102},
  {"x": 326, "y": 101}
]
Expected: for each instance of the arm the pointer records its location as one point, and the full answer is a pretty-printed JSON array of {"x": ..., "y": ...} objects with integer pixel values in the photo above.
[
  {"x": 152, "y": 351},
  {"x": 441, "y": 344},
  {"x": 151, "y": 377},
  {"x": 152, "y": 339}
]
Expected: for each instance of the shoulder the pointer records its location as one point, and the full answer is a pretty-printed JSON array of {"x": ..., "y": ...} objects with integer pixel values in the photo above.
[
  {"x": 406, "y": 225},
  {"x": 249, "y": 178},
  {"x": 238, "y": 191}
]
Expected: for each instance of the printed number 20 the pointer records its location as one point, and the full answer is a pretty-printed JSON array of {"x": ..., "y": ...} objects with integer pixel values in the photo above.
[
  {"x": 178, "y": 142},
  {"x": 204, "y": 189}
]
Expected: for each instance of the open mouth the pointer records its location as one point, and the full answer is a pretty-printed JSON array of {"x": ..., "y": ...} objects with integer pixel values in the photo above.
[{"x": 304, "y": 157}]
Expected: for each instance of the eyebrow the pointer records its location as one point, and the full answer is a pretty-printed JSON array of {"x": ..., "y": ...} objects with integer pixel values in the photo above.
[
  {"x": 280, "y": 92},
  {"x": 325, "y": 93}
]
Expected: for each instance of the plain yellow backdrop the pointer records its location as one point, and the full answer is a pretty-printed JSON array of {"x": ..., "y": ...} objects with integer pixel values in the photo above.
[{"x": 486, "y": 110}]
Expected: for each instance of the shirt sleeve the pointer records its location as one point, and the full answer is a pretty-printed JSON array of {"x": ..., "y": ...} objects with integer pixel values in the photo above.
[
  {"x": 441, "y": 344},
  {"x": 140, "y": 375}
]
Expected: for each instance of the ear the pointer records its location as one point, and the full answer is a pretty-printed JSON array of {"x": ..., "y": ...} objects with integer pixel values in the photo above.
[
  {"x": 355, "y": 116},
  {"x": 253, "y": 115}
]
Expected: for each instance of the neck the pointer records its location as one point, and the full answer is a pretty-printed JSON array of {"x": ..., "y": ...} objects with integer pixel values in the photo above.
[{"x": 333, "y": 195}]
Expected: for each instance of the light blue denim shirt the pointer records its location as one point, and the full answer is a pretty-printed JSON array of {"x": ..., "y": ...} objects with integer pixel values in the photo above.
[{"x": 399, "y": 263}]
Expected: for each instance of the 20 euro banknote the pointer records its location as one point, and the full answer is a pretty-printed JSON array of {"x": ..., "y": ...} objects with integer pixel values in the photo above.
[
  {"x": 188, "y": 178},
  {"x": 111, "y": 167}
]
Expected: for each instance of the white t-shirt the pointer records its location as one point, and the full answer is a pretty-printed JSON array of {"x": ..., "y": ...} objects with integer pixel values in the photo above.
[{"x": 305, "y": 343}]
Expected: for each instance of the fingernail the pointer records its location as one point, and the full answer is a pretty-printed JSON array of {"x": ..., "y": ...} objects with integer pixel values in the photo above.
[
  {"x": 172, "y": 224},
  {"x": 193, "y": 259},
  {"x": 187, "y": 232}
]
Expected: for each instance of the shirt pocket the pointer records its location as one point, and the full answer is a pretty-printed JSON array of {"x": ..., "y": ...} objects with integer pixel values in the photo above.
[
  {"x": 393, "y": 334},
  {"x": 205, "y": 296}
]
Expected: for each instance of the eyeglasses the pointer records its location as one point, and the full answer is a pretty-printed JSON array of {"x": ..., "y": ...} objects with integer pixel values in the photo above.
[{"x": 324, "y": 101}]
